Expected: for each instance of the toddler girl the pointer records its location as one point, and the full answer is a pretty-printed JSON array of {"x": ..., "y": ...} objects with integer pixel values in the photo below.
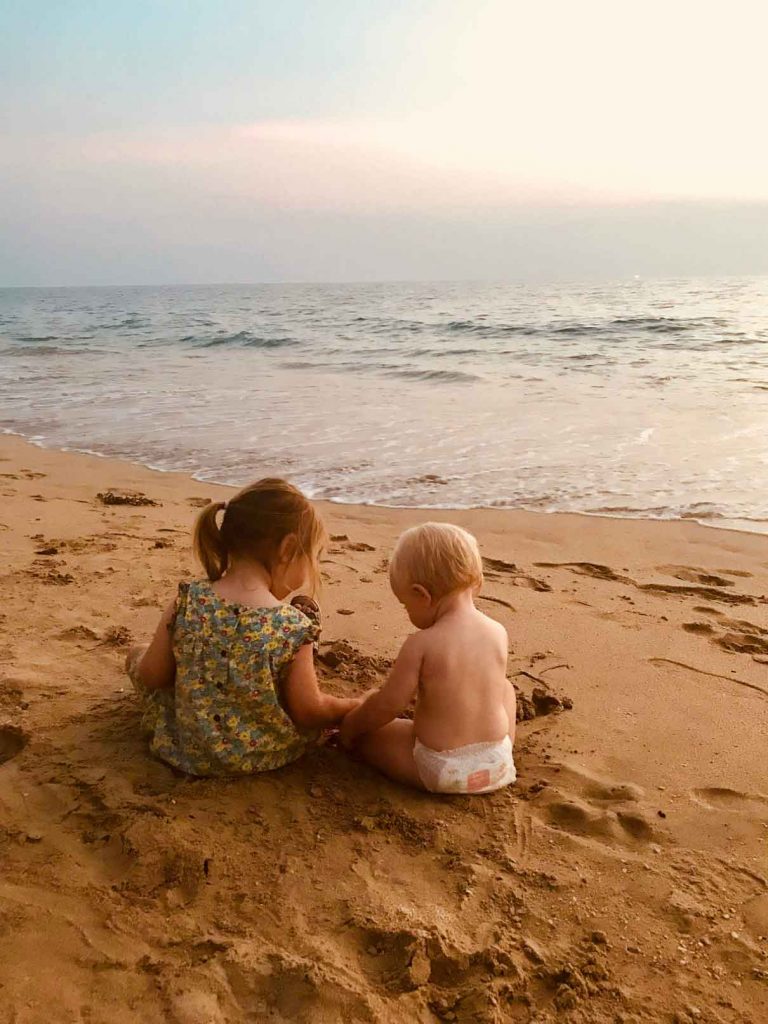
[
  {"x": 228, "y": 681},
  {"x": 460, "y": 740}
]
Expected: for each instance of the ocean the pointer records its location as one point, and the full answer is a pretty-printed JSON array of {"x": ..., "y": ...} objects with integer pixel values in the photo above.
[{"x": 637, "y": 398}]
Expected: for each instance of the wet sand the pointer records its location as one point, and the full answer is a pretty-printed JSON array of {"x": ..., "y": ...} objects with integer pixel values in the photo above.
[{"x": 623, "y": 879}]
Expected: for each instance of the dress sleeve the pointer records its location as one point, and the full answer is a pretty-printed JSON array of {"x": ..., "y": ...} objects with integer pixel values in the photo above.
[
  {"x": 180, "y": 606},
  {"x": 298, "y": 630}
]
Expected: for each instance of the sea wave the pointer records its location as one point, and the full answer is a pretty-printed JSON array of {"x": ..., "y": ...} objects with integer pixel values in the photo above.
[
  {"x": 45, "y": 350},
  {"x": 445, "y": 376},
  {"x": 243, "y": 338}
]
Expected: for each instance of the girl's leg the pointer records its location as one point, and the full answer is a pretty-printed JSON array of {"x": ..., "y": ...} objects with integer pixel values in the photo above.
[
  {"x": 134, "y": 656},
  {"x": 390, "y": 749}
]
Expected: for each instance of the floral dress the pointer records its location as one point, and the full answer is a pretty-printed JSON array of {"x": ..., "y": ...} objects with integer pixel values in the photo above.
[{"x": 223, "y": 716}]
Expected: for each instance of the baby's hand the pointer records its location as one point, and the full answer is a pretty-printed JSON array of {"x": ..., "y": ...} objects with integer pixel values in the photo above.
[{"x": 347, "y": 735}]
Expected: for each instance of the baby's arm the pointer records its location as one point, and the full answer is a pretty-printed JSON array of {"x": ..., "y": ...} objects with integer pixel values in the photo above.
[
  {"x": 307, "y": 706},
  {"x": 157, "y": 667},
  {"x": 384, "y": 704}
]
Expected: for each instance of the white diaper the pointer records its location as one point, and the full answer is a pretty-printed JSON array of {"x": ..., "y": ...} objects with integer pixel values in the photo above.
[{"x": 476, "y": 768}]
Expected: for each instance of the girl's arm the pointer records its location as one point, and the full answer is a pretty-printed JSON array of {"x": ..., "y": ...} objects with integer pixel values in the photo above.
[
  {"x": 157, "y": 668},
  {"x": 394, "y": 696},
  {"x": 307, "y": 706}
]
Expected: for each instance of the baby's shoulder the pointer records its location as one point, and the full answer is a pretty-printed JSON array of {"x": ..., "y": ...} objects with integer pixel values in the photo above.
[{"x": 493, "y": 627}]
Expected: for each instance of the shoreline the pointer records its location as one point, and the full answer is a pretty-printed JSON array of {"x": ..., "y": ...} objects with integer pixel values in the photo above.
[
  {"x": 631, "y": 849},
  {"x": 757, "y": 527}
]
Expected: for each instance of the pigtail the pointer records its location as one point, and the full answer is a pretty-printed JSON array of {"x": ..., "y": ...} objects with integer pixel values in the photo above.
[
  {"x": 255, "y": 523},
  {"x": 209, "y": 543}
]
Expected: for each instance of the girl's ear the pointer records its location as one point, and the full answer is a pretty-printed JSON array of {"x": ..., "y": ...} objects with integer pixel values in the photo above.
[
  {"x": 289, "y": 545},
  {"x": 421, "y": 592}
]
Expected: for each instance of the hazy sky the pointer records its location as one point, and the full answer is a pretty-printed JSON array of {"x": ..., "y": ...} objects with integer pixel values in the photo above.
[{"x": 255, "y": 140}]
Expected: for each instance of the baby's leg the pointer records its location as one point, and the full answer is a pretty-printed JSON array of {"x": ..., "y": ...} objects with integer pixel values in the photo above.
[{"x": 390, "y": 749}]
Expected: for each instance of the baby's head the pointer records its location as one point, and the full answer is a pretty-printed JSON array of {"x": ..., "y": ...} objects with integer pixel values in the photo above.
[{"x": 429, "y": 563}]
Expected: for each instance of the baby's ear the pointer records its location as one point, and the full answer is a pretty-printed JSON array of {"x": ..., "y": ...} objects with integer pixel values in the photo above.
[{"x": 421, "y": 591}]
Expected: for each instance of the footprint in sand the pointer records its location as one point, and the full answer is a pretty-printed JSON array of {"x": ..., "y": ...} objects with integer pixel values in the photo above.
[
  {"x": 692, "y": 575},
  {"x": 12, "y": 742},
  {"x": 594, "y": 569},
  {"x": 585, "y": 804},
  {"x": 497, "y": 569},
  {"x": 605, "y": 573},
  {"x": 703, "y": 628},
  {"x": 752, "y": 640},
  {"x": 742, "y": 636},
  {"x": 579, "y": 817},
  {"x": 717, "y": 798}
]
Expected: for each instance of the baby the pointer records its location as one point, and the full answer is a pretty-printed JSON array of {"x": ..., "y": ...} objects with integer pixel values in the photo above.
[{"x": 460, "y": 740}]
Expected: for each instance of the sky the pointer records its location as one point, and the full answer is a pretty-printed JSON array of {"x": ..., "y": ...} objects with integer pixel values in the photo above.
[{"x": 184, "y": 141}]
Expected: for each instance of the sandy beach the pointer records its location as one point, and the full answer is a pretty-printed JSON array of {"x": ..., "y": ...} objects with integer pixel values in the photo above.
[{"x": 623, "y": 879}]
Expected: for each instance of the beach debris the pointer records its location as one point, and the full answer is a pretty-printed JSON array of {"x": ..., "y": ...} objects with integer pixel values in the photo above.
[
  {"x": 497, "y": 600},
  {"x": 125, "y": 498},
  {"x": 530, "y": 675},
  {"x": 339, "y": 537},
  {"x": 79, "y": 633},
  {"x": 48, "y": 550},
  {"x": 533, "y": 951},
  {"x": 344, "y": 611},
  {"x": 540, "y": 702},
  {"x": 117, "y": 636},
  {"x": 360, "y": 546},
  {"x": 51, "y": 576}
]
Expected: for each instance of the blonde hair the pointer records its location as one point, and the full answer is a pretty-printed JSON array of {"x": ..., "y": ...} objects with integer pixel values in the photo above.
[
  {"x": 440, "y": 557},
  {"x": 255, "y": 523}
]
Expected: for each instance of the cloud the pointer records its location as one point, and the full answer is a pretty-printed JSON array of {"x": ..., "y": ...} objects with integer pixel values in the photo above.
[{"x": 435, "y": 162}]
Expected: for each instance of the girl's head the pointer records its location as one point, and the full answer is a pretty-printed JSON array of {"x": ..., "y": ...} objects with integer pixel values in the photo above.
[
  {"x": 430, "y": 562},
  {"x": 269, "y": 522}
]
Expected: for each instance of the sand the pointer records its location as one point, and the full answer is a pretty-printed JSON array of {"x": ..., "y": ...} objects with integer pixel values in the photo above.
[{"x": 623, "y": 879}]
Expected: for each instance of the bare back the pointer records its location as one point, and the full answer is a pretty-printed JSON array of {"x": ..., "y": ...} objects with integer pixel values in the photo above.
[{"x": 464, "y": 696}]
